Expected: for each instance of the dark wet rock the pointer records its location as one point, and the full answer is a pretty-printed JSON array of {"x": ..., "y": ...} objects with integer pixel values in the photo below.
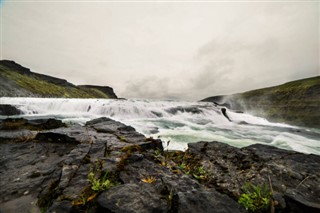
[
  {"x": 108, "y": 125},
  {"x": 181, "y": 192},
  {"x": 61, "y": 206},
  {"x": 37, "y": 124},
  {"x": 21, "y": 204},
  {"x": 224, "y": 112},
  {"x": 50, "y": 123},
  {"x": 52, "y": 169},
  {"x": 158, "y": 114},
  {"x": 132, "y": 197},
  {"x": 154, "y": 130},
  {"x": 299, "y": 204},
  {"x": 190, "y": 109},
  {"x": 6, "y": 109},
  {"x": 30, "y": 166},
  {"x": 211, "y": 200},
  {"x": 127, "y": 129},
  {"x": 294, "y": 177},
  {"x": 74, "y": 133},
  {"x": 13, "y": 124},
  {"x": 17, "y": 135},
  {"x": 55, "y": 137}
]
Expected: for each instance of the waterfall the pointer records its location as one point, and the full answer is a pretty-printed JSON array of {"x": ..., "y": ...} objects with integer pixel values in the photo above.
[
  {"x": 179, "y": 122},
  {"x": 129, "y": 109}
]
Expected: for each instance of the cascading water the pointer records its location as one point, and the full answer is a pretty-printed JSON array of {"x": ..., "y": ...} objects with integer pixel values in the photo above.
[{"x": 177, "y": 122}]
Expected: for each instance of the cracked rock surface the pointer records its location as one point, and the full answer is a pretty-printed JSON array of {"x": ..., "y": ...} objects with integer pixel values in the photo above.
[{"x": 106, "y": 166}]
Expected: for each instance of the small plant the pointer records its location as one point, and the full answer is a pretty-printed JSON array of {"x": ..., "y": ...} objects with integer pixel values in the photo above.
[
  {"x": 182, "y": 166},
  {"x": 188, "y": 163},
  {"x": 98, "y": 185},
  {"x": 149, "y": 179},
  {"x": 157, "y": 153},
  {"x": 200, "y": 173},
  {"x": 170, "y": 198},
  {"x": 256, "y": 198},
  {"x": 132, "y": 148},
  {"x": 81, "y": 201},
  {"x": 84, "y": 199},
  {"x": 121, "y": 138}
]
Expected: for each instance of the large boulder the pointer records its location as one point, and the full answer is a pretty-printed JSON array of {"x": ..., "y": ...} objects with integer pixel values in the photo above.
[{"x": 6, "y": 109}]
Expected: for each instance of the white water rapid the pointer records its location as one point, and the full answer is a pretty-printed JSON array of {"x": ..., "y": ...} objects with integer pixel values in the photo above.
[{"x": 177, "y": 122}]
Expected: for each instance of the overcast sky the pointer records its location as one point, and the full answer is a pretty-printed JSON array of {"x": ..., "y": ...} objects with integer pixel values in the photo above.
[{"x": 162, "y": 50}]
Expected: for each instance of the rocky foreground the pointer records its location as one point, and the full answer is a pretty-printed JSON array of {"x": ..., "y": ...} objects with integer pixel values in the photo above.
[{"x": 106, "y": 166}]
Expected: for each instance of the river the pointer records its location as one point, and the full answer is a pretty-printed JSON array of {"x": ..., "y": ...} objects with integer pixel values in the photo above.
[{"x": 176, "y": 123}]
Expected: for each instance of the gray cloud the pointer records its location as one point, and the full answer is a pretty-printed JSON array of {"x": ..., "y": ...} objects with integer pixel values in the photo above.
[{"x": 165, "y": 50}]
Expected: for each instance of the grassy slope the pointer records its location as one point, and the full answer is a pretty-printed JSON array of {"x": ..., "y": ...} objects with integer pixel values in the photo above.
[
  {"x": 38, "y": 87},
  {"x": 296, "y": 102}
]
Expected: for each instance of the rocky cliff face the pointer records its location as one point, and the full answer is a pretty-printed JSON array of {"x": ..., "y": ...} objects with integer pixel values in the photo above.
[
  {"x": 296, "y": 102},
  {"x": 18, "y": 81}
]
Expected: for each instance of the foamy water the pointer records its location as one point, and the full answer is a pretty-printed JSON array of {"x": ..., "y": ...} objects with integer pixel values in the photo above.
[{"x": 177, "y": 122}]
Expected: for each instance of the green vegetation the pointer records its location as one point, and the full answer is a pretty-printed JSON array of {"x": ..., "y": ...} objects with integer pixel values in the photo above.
[
  {"x": 102, "y": 184},
  {"x": 95, "y": 92},
  {"x": 121, "y": 138},
  {"x": 295, "y": 102},
  {"x": 98, "y": 181},
  {"x": 256, "y": 198},
  {"x": 185, "y": 161},
  {"x": 40, "y": 87},
  {"x": 33, "y": 84}
]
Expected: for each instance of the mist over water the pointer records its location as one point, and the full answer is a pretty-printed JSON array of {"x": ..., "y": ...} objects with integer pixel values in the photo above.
[{"x": 178, "y": 122}]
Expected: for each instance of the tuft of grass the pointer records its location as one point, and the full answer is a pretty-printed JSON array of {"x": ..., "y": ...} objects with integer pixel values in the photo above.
[
  {"x": 185, "y": 161},
  {"x": 256, "y": 198},
  {"x": 98, "y": 185},
  {"x": 121, "y": 138}
]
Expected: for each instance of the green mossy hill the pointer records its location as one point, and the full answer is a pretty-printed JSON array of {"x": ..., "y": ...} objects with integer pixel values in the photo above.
[
  {"x": 296, "y": 102},
  {"x": 18, "y": 81}
]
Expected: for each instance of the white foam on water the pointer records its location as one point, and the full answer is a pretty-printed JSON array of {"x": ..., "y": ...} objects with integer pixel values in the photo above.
[
  {"x": 177, "y": 122},
  {"x": 297, "y": 143}
]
